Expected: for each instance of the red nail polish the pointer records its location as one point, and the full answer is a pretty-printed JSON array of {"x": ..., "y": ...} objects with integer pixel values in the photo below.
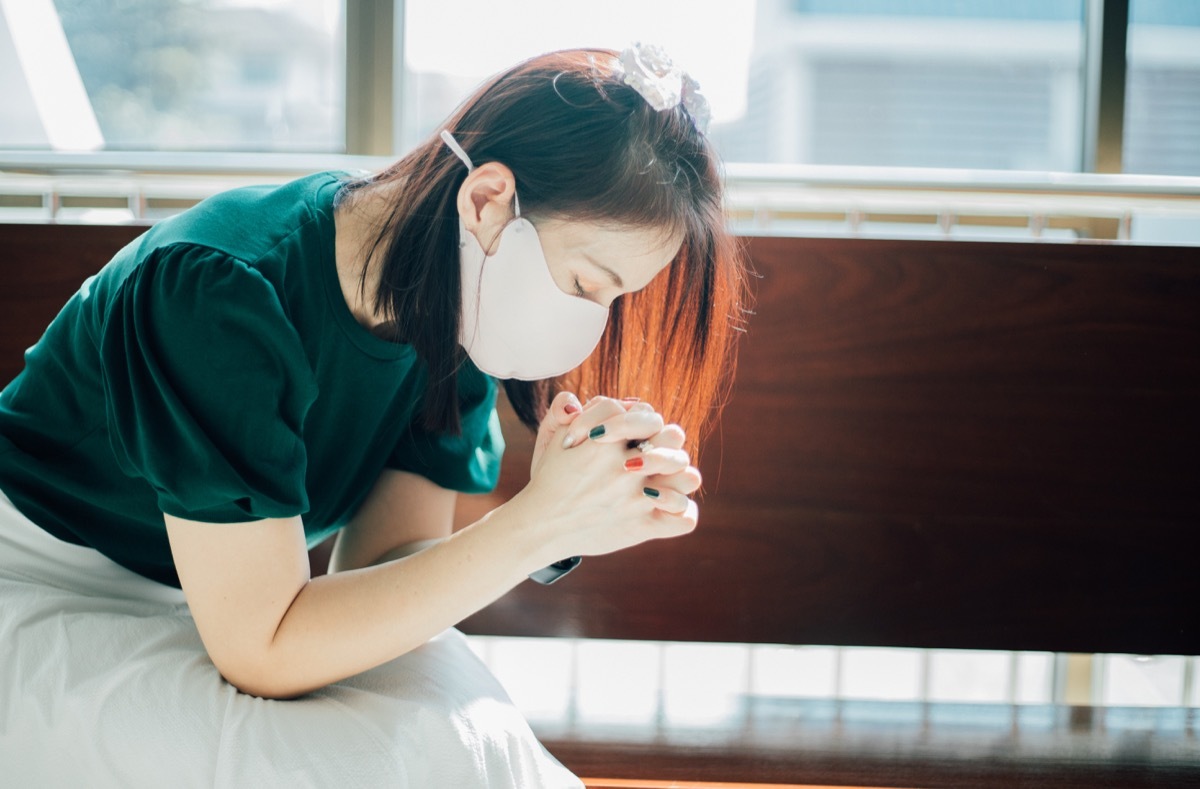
[
  {"x": 571, "y": 408},
  {"x": 633, "y": 464}
]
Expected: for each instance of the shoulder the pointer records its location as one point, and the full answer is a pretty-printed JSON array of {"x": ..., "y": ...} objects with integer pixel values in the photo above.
[
  {"x": 250, "y": 222},
  {"x": 186, "y": 274},
  {"x": 196, "y": 299},
  {"x": 264, "y": 228}
]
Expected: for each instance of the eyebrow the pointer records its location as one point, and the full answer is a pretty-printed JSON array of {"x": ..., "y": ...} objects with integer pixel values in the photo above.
[{"x": 614, "y": 276}]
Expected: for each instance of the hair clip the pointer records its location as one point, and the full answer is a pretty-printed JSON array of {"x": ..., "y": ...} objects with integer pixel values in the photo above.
[{"x": 649, "y": 70}]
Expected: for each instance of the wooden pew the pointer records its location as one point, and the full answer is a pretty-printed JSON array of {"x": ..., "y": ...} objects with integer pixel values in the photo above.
[{"x": 930, "y": 444}]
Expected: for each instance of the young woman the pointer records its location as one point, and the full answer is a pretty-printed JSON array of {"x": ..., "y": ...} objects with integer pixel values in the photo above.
[{"x": 280, "y": 364}]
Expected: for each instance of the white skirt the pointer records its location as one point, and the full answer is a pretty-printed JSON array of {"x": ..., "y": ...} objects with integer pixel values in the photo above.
[{"x": 104, "y": 683}]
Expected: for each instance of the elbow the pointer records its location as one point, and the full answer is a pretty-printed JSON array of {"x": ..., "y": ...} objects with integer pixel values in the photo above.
[
  {"x": 264, "y": 690},
  {"x": 262, "y": 679}
]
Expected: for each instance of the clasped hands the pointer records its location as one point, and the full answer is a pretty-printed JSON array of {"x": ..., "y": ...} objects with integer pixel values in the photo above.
[{"x": 610, "y": 474}]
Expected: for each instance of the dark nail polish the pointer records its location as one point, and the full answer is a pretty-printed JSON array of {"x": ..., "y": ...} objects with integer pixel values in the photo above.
[
  {"x": 596, "y": 431},
  {"x": 651, "y": 492}
]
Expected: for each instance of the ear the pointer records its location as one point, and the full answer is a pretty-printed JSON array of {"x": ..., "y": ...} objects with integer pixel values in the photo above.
[{"x": 485, "y": 201}]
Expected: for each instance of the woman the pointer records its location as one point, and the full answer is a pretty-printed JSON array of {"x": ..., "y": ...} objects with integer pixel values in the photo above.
[{"x": 281, "y": 364}]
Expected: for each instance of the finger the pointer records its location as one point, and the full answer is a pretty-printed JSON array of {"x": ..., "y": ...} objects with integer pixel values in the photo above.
[
  {"x": 667, "y": 500},
  {"x": 565, "y": 407},
  {"x": 595, "y": 412},
  {"x": 687, "y": 481},
  {"x": 671, "y": 437},
  {"x": 668, "y": 524},
  {"x": 628, "y": 426},
  {"x": 658, "y": 461},
  {"x": 562, "y": 411},
  {"x": 628, "y": 403},
  {"x": 632, "y": 402}
]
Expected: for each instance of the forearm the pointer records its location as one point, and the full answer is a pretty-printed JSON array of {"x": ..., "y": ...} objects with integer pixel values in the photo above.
[
  {"x": 399, "y": 552},
  {"x": 345, "y": 623},
  {"x": 273, "y": 631}
]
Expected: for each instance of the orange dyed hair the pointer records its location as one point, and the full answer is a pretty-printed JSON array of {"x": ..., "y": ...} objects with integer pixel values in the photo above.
[{"x": 671, "y": 344}]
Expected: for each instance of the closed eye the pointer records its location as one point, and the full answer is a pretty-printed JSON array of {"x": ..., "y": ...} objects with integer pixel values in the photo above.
[{"x": 583, "y": 294}]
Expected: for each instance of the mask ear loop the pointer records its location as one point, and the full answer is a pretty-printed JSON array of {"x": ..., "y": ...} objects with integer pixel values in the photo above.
[
  {"x": 452, "y": 143},
  {"x": 448, "y": 138}
]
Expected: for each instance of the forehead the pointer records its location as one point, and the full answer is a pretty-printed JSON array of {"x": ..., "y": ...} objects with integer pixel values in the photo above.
[{"x": 636, "y": 253}]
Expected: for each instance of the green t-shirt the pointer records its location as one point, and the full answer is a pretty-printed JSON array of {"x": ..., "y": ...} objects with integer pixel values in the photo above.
[{"x": 212, "y": 370}]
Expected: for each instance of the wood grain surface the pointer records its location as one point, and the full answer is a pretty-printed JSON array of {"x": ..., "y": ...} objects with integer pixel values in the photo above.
[{"x": 931, "y": 444}]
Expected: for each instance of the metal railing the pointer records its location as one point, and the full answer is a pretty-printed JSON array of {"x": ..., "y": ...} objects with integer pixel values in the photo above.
[{"x": 762, "y": 199}]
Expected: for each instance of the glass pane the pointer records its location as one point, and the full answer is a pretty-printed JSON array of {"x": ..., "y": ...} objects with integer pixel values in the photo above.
[
  {"x": 451, "y": 45},
  {"x": 263, "y": 75},
  {"x": 1143, "y": 680},
  {"x": 881, "y": 673},
  {"x": 1162, "y": 91},
  {"x": 941, "y": 83}
]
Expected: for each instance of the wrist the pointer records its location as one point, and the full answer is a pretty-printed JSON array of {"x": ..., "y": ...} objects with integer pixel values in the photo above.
[{"x": 529, "y": 531}]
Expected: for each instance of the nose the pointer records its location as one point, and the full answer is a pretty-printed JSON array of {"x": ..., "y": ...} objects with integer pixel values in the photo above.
[{"x": 606, "y": 297}]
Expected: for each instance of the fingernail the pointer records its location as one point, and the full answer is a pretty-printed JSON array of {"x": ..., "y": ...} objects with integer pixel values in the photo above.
[
  {"x": 651, "y": 492},
  {"x": 631, "y": 399},
  {"x": 596, "y": 431},
  {"x": 569, "y": 441},
  {"x": 633, "y": 464},
  {"x": 571, "y": 408}
]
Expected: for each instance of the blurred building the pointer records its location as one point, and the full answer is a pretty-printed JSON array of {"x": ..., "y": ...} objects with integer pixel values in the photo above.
[{"x": 937, "y": 83}]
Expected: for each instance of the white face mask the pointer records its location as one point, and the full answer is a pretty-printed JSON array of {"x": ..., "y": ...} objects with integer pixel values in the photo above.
[{"x": 516, "y": 321}]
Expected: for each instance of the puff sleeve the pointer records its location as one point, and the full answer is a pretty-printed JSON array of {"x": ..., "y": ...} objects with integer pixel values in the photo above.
[
  {"x": 469, "y": 462},
  {"x": 207, "y": 387}
]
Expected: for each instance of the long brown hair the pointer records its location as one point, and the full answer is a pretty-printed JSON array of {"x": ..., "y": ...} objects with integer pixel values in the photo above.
[{"x": 582, "y": 145}]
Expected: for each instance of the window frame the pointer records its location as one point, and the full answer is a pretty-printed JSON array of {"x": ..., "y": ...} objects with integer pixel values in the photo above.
[
  {"x": 1105, "y": 28},
  {"x": 375, "y": 79}
]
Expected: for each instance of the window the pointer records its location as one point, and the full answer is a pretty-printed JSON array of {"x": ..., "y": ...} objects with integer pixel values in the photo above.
[
  {"x": 974, "y": 83},
  {"x": 979, "y": 84},
  {"x": 210, "y": 75},
  {"x": 1162, "y": 92},
  {"x": 450, "y": 47}
]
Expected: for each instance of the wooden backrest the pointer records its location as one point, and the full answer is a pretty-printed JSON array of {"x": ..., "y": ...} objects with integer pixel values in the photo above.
[{"x": 930, "y": 444}]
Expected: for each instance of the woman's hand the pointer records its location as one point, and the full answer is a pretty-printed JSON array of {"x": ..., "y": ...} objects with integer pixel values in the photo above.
[
  {"x": 617, "y": 477},
  {"x": 562, "y": 412}
]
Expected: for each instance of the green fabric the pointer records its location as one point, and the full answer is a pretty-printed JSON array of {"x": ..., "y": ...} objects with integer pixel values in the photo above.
[{"x": 213, "y": 371}]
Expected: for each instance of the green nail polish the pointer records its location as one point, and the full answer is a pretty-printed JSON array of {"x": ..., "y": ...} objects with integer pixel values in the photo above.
[
  {"x": 596, "y": 431},
  {"x": 651, "y": 492}
]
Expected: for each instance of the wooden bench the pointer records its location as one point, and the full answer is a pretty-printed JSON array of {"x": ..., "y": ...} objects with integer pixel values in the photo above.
[{"x": 930, "y": 444}]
